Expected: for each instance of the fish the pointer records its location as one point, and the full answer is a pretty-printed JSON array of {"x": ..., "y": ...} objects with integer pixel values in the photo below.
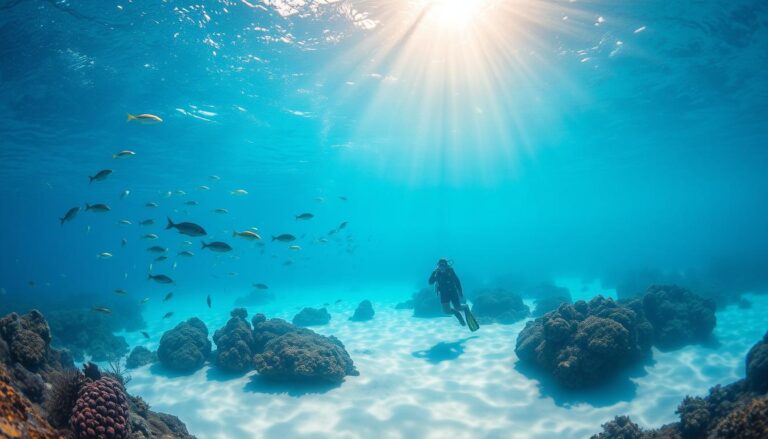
[
  {"x": 101, "y": 175},
  {"x": 217, "y": 246},
  {"x": 287, "y": 263},
  {"x": 147, "y": 222},
  {"x": 204, "y": 188},
  {"x": 285, "y": 237},
  {"x": 214, "y": 177},
  {"x": 326, "y": 304},
  {"x": 124, "y": 154},
  {"x": 233, "y": 273},
  {"x": 168, "y": 315},
  {"x": 187, "y": 242},
  {"x": 150, "y": 236},
  {"x": 294, "y": 247},
  {"x": 331, "y": 232},
  {"x": 208, "y": 301},
  {"x": 157, "y": 249},
  {"x": 342, "y": 225},
  {"x": 186, "y": 253},
  {"x": 123, "y": 242},
  {"x": 161, "y": 258},
  {"x": 180, "y": 192},
  {"x": 261, "y": 286},
  {"x": 144, "y": 333},
  {"x": 151, "y": 205},
  {"x": 175, "y": 264},
  {"x": 124, "y": 222},
  {"x": 191, "y": 203},
  {"x": 304, "y": 216},
  {"x": 160, "y": 278},
  {"x": 121, "y": 292},
  {"x": 144, "y": 118},
  {"x": 70, "y": 215},
  {"x": 342, "y": 198},
  {"x": 102, "y": 310},
  {"x": 189, "y": 229},
  {"x": 98, "y": 207},
  {"x": 338, "y": 301},
  {"x": 104, "y": 255},
  {"x": 144, "y": 300},
  {"x": 220, "y": 210},
  {"x": 168, "y": 297},
  {"x": 31, "y": 284},
  {"x": 124, "y": 194},
  {"x": 247, "y": 235},
  {"x": 239, "y": 192},
  {"x": 322, "y": 240},
  {"x": 320, "y": 199}
]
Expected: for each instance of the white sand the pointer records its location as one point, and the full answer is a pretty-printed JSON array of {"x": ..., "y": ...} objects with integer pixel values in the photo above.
[{"x": 479, "y": 394}]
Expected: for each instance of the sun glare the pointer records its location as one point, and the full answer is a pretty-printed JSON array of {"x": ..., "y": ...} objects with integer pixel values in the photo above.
[{"x": 456, "y": 14}]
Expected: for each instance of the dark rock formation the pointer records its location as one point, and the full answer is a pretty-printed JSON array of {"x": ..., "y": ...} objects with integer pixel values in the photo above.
[
  {"x": 305, "y": 356},
  {"x": 426, "y": 304},
  {"x": 101, "y": 411},
  {"x": 31, "y": 384},
  {"x": 584, "y": 343},
  {"x": 678, "y": 316},
  {"x": 363, "y": 312},
  {"x": 84, "y": 332},
  {"x": 757, "y": 366},
  {"x": 234, "y": 343},
  {"x": 499, "y": 306},
  {"x": 735, "y": 411},
  {"x": 186, "y": 347},
  {"x": 265, "y": 330},
  {"x": 19, "y": 418},
  {"x": 312, "y": 317},
  {"x": 27, "y": 338},
  {"x": 140, "y": 356},
  {"x": 547, "y": 304}
]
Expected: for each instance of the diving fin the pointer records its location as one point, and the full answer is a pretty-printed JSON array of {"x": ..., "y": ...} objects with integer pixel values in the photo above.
[{"x": 471, "y": 322}]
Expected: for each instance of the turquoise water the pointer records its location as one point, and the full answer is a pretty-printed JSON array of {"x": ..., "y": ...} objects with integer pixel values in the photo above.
[{"x": 571, "y": 142}]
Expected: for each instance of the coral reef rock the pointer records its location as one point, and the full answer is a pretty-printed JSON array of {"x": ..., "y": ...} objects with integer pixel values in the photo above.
[
  {"x": 582, "y": 344},
  {"x": 363, "y": 312},
  {"x": 305, "y": 356},
  {"x": 547, "y": 304},
  {"x": 312, "y": 317},
  {"x": 234, "y": 343},
  {"x": 678, "y": 316},
  {"x": 266, "y": 330},
  {"x": 19, "y": 418},
  {"x": 27, "y": 338},
  {"x": 84, "y": 332},
  {"x": 140, "y": 356},
  {"x": 499, "y": 306},
  {"x": 426, "y": 304},
  {"x": 757, "y": 366},
  {"x": 101, "y": 411},
  {"x": 186, "y": 347}
]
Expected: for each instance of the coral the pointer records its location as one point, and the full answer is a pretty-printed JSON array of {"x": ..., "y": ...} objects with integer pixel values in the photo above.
[
  {"x": 582, "y": 344},
  {"x": 140, "y": 356},
  {"x": 28, "y": 348},
  {"x": 678, "y": 316},
  {"x": 101, "y": 411},
  {"x": 747, "y": 422},
  {"x": 62, "y": 396},
  {"x": 84, "y": 332},
  {"x": 265, "y": 330},
  {"x": 547, "y": 304},
  {"x": 499, "y": 306},
  {"x": 621, "y": 427},
  {"x": 312, "y": 317},
  {"x": 426, "y": 304},
  {"x": 305, "y": 356},
  {"x": 757, "y": 366},
  {"x": 363, "y": 312},
  {"x": 31, "y": 384},
  {"x": 694, "y": 417},
  {"x": 186, "y": 347},
  {"x": 27, "y": 338},
  {"x": 18, "y": 417},
  {"x": 234, "y": 343}
]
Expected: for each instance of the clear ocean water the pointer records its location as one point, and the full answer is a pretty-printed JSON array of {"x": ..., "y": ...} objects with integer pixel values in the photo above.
[{"x": 570, "y": 142}]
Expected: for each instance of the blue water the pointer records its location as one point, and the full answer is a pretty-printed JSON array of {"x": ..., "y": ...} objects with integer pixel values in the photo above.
[{"x": 525, "y": 139}]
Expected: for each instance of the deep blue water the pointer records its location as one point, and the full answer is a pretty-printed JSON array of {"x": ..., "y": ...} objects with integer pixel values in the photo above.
[{"x": 625, "y": 136}]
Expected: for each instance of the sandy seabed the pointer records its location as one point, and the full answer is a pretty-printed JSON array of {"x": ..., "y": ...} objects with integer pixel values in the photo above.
[{"x": 431, "y": 378}]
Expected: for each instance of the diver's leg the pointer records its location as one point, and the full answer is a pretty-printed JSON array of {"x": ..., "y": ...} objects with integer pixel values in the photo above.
[
  {"x": 457, "y": 307},
  {"x": 446, "y": 307}
]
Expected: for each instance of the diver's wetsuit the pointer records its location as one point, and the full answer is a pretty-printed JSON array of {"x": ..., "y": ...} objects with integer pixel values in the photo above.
[{"x": 449, "y": 288}]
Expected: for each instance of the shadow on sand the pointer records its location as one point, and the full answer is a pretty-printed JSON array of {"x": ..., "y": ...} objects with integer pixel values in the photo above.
[
  {"x": 259, "y": 384},
  {"x": 443, "y": 351},
  {"x": 216, "y": 374},
  {"x": 159, "y": 370},
  {"x": 618, "y": 388}
]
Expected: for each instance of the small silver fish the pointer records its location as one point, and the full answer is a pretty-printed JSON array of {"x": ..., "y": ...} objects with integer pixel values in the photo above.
[{"x": 124, "y": 194}]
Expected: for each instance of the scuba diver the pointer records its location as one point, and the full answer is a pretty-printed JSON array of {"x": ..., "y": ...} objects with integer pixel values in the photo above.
[{"x": 448, "y": 288}]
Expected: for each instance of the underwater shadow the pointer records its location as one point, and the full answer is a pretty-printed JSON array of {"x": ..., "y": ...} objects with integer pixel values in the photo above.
[
  {"x": 259, "y": 384},
  {"x": 443, "y": 351},
  {"x": 711, "y": 342},
  {"x": 157, "y": 369},
  {"x": 618, "y": 388},
  {"x": 216, "y": 374}
]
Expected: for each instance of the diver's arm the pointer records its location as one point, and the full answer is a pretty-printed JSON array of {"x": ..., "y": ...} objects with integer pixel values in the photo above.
[{"x": 433, "y": 277}]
